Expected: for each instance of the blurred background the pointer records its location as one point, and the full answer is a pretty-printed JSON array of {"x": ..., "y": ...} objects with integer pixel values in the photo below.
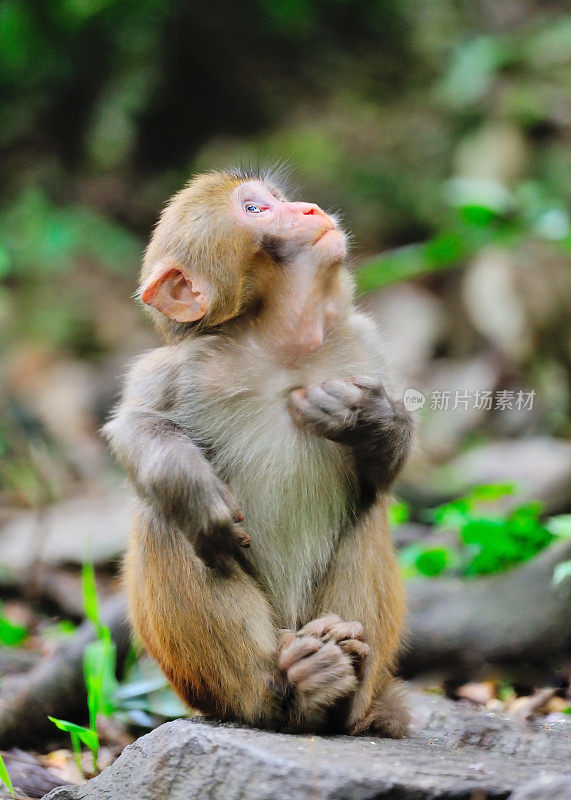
[{"x": 439, "y": 130}]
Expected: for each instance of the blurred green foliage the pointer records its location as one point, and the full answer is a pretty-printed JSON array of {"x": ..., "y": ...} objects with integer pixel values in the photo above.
[
  {"x": 489, "y": 540},
  {"x": 11, "y": 633},
  {"x": 99, "y": 665},
  {"x": 108, "y": 105},
  {"x": 439, "y": 128}
]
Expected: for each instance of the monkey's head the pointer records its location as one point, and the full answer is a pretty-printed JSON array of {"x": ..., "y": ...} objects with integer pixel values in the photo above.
[{"x": 223, "y": 242}]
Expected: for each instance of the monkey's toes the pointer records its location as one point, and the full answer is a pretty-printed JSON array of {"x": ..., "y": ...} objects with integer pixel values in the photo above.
[
  {"x": 323, "y": 674},
  {"x": 350, "y": 636},
  {"x": 332, "y": 628},
  {"x": 297, "y": 649}
]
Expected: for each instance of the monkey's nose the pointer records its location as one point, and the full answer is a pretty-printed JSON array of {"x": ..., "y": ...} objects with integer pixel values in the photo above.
[{"x": 310, "y": 209}]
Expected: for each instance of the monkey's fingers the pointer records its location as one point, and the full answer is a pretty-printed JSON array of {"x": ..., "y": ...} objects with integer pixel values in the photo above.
[
  {"x": 221, "y": 545},
  {"x": 232, "y": 503},
  {"x": 367, "y": 384},
  {"x": 241, "y": 537},
  {"x": 346, "y": 393},
  {"x": 323, "y": 413},
  {"x": 359, "y": 652},
  {"x": 332, "y": 628}
]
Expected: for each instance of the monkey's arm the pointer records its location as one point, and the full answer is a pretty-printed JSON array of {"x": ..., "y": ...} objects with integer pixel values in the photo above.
[
  {"x": 170, "y": 472},
  {"x": 359, "y": 414}
]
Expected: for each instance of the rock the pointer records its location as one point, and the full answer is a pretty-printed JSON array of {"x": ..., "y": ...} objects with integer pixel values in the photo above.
[
  {"x": 413, "y": 321},
  {"x": 494, "y": 305},
  {"x": 553, "y": 787},
  {"x": 519, "y": 300},
  {"x": 517, "y": 615},
  {"x": 453, "y": 752},
  {"x": 539, "y": 466},
  {"x": 450, "y": 412},
  {"x": 56, "y": 684},
  {"x": 28, "y": 776},
  {"x": 94, "y": 527},
  {"x": 14, "y": 660}
]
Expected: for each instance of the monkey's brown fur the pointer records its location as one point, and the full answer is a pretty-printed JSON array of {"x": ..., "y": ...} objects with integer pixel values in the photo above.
[{"x": 214, "y": 429}]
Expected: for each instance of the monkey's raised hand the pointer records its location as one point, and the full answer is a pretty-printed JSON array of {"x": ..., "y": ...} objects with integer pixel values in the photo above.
[
  {"x": 215, "y": 532},
  {"x": 357, "y": 413},
  {"x": 204, "y": 510}
]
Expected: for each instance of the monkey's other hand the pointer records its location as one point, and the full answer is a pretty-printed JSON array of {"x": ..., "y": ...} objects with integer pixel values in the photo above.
[
  {"x": 350, "y": 636},
  {"x": 342, "y": 410},
  {"x": 213, "y": 527},
  {"x": 360, "y": 414}
]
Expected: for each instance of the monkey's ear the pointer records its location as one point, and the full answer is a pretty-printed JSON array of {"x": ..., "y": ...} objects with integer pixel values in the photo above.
[{"x": 174, "y": 293}]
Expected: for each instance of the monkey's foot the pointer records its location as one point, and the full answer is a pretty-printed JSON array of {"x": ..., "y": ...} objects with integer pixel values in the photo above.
[
  {"x": 350, "y": 636},
  {"x": 388, "y": 715},
  {"x": 324, "y": 661}
]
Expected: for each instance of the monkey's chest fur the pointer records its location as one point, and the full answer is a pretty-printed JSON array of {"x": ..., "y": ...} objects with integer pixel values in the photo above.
[{"x": 296, "y": 489}]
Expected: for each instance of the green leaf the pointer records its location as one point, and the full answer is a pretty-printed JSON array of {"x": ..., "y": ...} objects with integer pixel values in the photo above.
[
  {"x": 443, "y": 251},
  {"x": 89, "y": 591},
  {"x": 99, "y": 663},
  {"x": 5, "y": 777},
  {"x": 489, "y": 492},
  {"x": 59, "y": 630},
  {"x": 11, "y": 634},
  {"x": 433, "y": 561},
  {"x": 472, "y": 68},
  {"x": 86, "y": 735},
  {"x": 398, "y": 513},
  {"x": 452, "y": 515}
]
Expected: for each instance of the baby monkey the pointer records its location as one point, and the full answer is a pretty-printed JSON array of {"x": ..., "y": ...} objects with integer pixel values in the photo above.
[{"x": 262, "y": 442}]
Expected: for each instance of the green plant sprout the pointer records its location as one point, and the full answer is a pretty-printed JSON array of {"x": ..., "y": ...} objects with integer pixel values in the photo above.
[
  {"x": 99, "y": 663},
  {"x": 399, "y": 512},
  {"x": 489, "y": 541},
  {"x": 11, "y": 634},
  {"x": 78, "y": 734},
  {"x": 5, "y": 777}
]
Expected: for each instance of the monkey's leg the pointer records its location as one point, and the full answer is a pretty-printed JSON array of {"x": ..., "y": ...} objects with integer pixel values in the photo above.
[
  {"x": 210, "y": 631},
  {"x": 363, "y": 583}
]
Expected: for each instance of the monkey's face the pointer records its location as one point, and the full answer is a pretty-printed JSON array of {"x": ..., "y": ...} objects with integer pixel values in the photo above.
[
  {"x": 287, "y": 230},
  {"x": 220, "y": 248}
]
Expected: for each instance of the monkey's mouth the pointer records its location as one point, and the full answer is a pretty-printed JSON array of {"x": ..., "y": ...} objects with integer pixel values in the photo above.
[{"x": 322, "y": 234}]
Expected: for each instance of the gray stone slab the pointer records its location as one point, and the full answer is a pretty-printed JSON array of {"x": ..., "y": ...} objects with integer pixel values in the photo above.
[{"x": 455, "y": 751}]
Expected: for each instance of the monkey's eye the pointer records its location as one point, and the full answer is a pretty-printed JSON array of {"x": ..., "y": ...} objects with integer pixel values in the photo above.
[{"x": 254, "y": 208}]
